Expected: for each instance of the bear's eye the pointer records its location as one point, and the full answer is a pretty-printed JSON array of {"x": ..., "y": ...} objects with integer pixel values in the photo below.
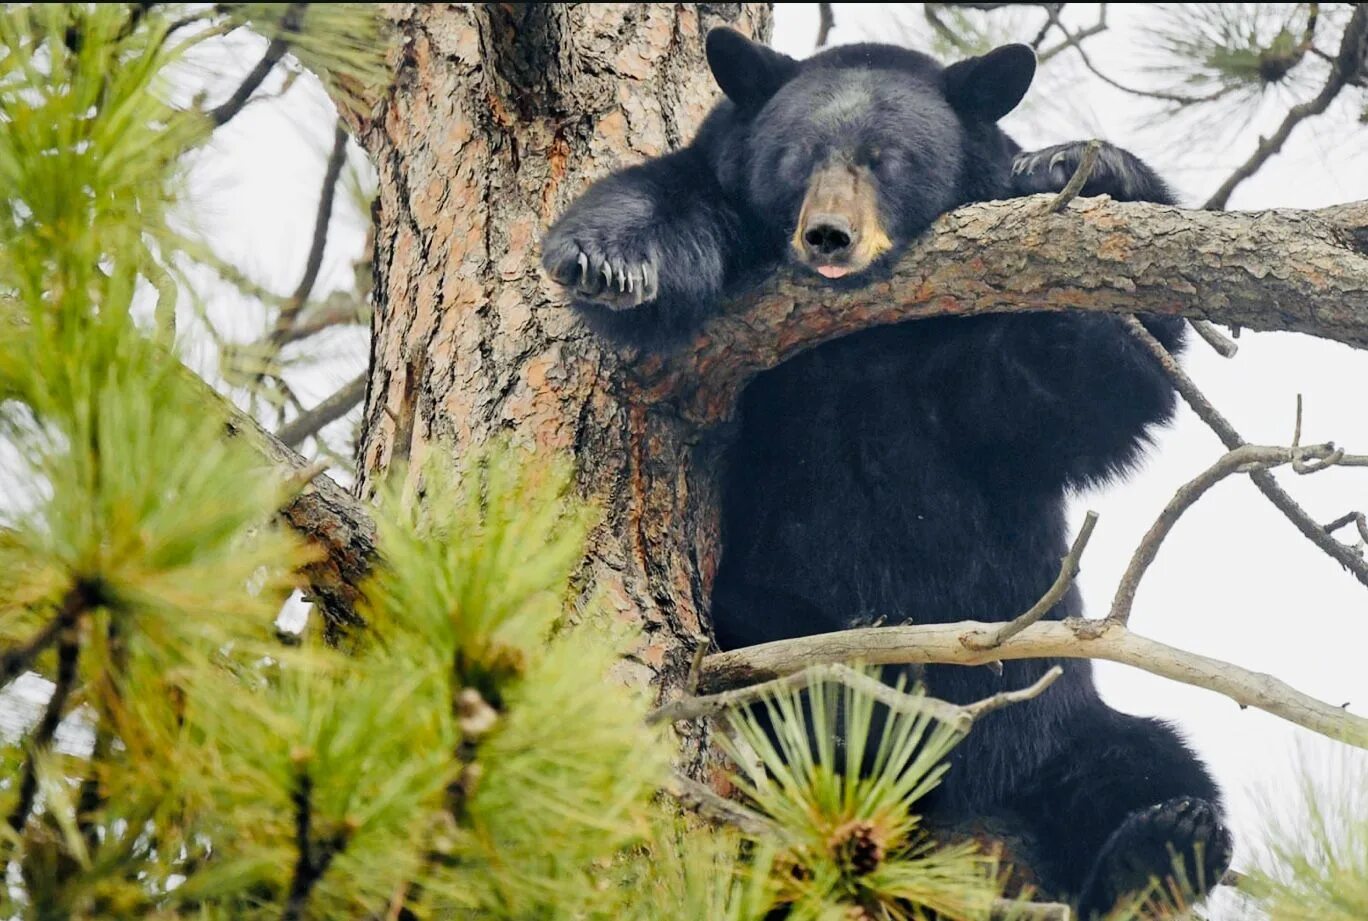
[{"x": 874, "y": 156}]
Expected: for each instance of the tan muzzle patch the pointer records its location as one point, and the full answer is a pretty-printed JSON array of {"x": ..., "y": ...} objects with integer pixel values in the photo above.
[{"x": 839, "y": 228}]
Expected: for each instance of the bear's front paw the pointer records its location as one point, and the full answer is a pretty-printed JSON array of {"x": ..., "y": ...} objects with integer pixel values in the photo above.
[
  {"x": 1117, "y": 172},
  {"x": 601, "y": 272},
  {"x": 1175, "y": 851}
]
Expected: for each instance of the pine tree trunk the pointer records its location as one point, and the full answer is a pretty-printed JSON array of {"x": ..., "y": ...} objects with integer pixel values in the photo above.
[{"x": 500, "y": 115}]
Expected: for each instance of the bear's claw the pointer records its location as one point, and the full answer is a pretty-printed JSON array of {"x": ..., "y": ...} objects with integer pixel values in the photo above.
[
  {"x": 1181, "y": 843},
  {"x": 592, "y": 275}
]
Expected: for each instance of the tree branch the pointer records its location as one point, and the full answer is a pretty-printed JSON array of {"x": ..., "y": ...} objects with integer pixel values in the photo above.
[
  {"x": 1243, "y": 459},
  {"x": 1346, "y": 556},
  {"x": 1068, "y": 571},
  {"x": 1347, "y": 66},
  {"x": 929, "y": 644},
  {"x": 275, "y": 50},
  {"x": 289, "y": 312},
  {"x": 68, "y": 652},
  {"x": 329, "y": 410},
  {"x": 1299, "y": 271}
]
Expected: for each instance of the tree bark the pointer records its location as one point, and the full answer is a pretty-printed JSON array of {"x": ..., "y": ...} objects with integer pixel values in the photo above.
[{"x": 500, "y": 115}]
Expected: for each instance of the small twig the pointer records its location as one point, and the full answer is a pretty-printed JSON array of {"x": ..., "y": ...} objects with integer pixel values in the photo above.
[
  {"x": 1223, "y": 344},
  {"x": 1007, "y": 698},
  {"x": 1078, "y": 179},
  {"x": 16, "y": 660},
  {"x": 1359, "y": 521},
  {"x": 695, "y": 667},
  {"x": 328, "y": 411},
  {"x": 720, "y": 809},
  {"x": 313, "y": 858},
  {"x": 1012, "y": 910},
  {"x": 1068, "y": 571},
  {"x": 275, "y": 50},
  {"x": 1243, "y": 459},
  {"x": 1264, "y": 480},
  {"x": 1071, "y": 39},
  {"x": 68, "y": 652}
]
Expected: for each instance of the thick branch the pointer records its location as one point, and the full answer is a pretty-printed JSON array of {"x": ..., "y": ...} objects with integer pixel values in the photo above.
[
  {"x": 275, "y": 50},
  {"x": 1300, "y": 271},
  {"x": 1074, "y": 639}
]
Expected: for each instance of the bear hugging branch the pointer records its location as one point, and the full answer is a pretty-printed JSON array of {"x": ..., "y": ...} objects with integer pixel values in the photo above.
[{"x": 1284, "y": 270}]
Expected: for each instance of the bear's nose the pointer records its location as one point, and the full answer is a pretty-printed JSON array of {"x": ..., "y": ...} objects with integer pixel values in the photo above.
[{"x": 828, "y": 235}]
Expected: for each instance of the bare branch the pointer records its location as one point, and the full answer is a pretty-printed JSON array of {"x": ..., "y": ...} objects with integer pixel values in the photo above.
[
  {"x": 290, "y": 311},
  {"x": 928, "y": 644},
  {"x": 275, "y": 50},
  {"x": 826, "y": 19},
  {"x": 1243, "y": 459},
  {"x": 1345, "y": 556},
  {"x": 1223, "y": 344},
  {"x": 68, "y": 652},
  {"x": 1011, "y": 910},
  {"x": 1007, "y": 698},
  {"x": 329, "y": 410},
  {"x": 719, "y": 809},
  {"x": 689, "y": 708},
  {"x": 1347, "y": 66},
  {"x": 1068, "y": 571}
]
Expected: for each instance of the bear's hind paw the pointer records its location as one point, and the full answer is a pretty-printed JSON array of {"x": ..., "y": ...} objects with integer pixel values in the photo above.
[{"x": 1170, "y": 855}]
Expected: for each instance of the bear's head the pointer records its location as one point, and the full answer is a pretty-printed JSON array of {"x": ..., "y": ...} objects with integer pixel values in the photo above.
[{"x": 852, "y": 153}]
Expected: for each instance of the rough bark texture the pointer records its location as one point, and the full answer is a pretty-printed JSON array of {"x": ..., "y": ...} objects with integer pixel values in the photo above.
[
  {"x": 500, "y": 115},
  {"x": 1300, "y": 271}
]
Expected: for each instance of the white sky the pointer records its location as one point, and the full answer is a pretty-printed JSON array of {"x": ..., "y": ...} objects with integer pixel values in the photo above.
[{"x": 1234, "y": 580}]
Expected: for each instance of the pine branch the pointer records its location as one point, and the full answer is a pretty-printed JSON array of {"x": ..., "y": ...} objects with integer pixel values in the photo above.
[
  {"x": 1347, "y": 67},
  {"x": 17, "y": 660},
  {"x": 68, "y": 653}
]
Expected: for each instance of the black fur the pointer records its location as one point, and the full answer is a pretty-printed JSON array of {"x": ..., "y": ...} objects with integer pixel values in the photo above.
[{"x": 917, "y": 473}]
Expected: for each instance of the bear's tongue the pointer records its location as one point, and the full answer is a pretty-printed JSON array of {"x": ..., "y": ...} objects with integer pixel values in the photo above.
[{"x": 832, "y": 271}]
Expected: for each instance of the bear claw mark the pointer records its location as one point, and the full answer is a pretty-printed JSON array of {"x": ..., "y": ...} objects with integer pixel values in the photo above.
[{"x": 1181, "y": 843}]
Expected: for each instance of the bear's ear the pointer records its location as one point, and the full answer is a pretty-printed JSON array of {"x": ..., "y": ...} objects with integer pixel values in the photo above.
[
  {"x": 990, "y": 86},
  {"x": 748, "y": 72}
]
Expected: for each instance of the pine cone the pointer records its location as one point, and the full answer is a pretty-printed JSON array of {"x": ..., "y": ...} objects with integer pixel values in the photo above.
[{"x": 857, "y": 845}]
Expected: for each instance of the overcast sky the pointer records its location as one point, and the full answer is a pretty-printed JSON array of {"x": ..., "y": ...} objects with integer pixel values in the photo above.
[{"x": 1234, "y": 580}]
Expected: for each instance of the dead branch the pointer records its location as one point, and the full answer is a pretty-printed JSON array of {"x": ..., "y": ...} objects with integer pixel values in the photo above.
[
  {"x": 960, "y": 717},
  {"x": 290, "y": 311},
  {"x": 275, "y": 50},
  {"x": 329, "y": 410},
  {"x": 1068, "y": 571},
  {"x": 945, "y": 644},
  {"x": 1281, "y": 499},
  {"x": 1300, "y": 271},
  {"x": 1243, "y": 459},
  {"x": 826, "y": 19},
  {"x": 718, "y": 808}
]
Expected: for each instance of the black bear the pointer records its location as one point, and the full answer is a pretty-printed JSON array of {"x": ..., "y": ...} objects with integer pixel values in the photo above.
[{"x": 913, "y": 473}]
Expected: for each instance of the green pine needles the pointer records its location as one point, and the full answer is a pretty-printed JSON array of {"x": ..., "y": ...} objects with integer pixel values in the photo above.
[{"x": 472, "y": 752}]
